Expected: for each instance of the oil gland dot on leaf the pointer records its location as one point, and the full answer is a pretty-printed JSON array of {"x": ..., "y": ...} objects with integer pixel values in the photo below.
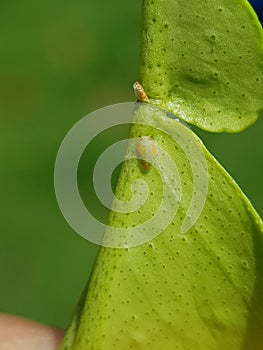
[{"x": 146, "y": 150}]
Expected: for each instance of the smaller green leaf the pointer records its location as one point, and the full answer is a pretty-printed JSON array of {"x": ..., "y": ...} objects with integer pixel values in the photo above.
[{"x": 203, "y": 61}]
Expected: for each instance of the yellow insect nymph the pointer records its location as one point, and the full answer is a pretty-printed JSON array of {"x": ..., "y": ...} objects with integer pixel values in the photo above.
[
  {"x": 140, "y": 93},
  {"x": 146, "y": 150}
]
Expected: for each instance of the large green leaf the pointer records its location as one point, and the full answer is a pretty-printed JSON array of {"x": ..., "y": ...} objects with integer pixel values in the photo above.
[
  {"x": 199, "y": 289},
  {"x": 203, "y": 61}
]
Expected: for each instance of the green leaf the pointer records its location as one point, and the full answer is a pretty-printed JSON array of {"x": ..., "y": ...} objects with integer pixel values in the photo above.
[
  {"x": 203, "y": 61},
  {"x": 199, "y": 289}
]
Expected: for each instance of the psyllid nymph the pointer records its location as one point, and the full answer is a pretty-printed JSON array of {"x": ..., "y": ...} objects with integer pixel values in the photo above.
[
  {"x": 146, "y": 150},
  {"x": 140, "y": 93}
]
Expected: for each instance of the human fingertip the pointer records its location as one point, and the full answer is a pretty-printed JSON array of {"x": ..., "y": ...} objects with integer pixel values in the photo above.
[{"x": 17, "y": 333}]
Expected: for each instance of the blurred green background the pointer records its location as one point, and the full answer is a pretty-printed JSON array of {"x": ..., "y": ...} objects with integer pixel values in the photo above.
[{"x": 59, "y": 61}]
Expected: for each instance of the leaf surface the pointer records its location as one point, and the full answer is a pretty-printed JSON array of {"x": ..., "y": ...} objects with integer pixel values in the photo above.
[
  {"x": 199, "y": 289},
  {"x": 203, "y": 61}
]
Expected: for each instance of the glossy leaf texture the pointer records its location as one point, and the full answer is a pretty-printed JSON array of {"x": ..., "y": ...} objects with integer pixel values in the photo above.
[
  {"x": 203, "y": 61},
  {"x": 200, "y": 289}
]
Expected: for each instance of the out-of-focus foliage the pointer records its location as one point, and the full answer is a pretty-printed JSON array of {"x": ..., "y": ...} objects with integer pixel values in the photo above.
[{"x": 59, "y": 61}]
